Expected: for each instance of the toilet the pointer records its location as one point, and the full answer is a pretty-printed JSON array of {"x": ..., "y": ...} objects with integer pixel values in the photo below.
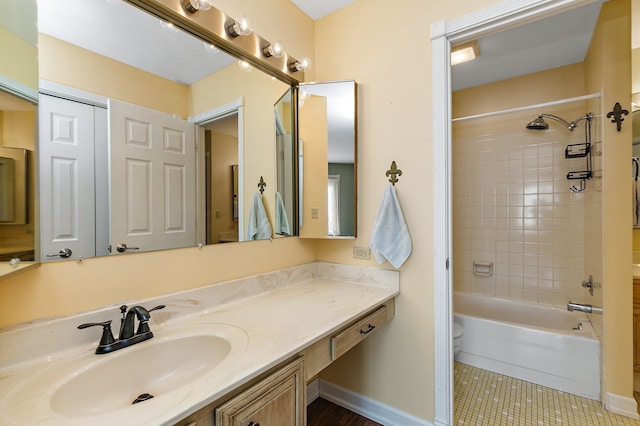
[{"x": 457, "y": 338}]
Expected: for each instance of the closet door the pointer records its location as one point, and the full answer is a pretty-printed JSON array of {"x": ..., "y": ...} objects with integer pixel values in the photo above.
[{"x": 67, "y": 195}]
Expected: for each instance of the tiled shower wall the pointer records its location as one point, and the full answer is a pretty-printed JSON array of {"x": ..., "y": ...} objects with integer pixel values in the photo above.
[{"x": 512, "y": 207}]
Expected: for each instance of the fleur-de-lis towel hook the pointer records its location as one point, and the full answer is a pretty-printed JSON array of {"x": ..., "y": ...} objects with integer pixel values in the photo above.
[
  {"x": 261, "y": 185},
  {"x": 617, "y": 114},
  {"x": 393, "y": 173}
]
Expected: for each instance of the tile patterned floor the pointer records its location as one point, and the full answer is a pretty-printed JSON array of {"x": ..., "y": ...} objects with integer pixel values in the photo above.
[{"x": 485, "y": 398}]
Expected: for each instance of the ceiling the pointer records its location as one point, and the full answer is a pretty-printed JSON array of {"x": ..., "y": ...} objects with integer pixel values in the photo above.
[
  {"x": 552, "y": 42},
  {"x": 317, "y": 9}
]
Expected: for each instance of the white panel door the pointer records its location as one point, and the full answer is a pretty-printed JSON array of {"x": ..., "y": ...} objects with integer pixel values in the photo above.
[
  {"x": 67, "y": 196},
  {"x": 153, "y": 179}
]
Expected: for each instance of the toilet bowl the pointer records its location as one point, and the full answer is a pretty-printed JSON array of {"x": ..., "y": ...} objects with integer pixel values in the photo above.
[{"x": 457, "y": 338}]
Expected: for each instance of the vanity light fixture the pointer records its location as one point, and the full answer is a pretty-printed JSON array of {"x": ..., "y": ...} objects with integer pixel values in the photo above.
[
  {"x": 301, "y": 65},
  {"x": 275, "y": 49},
  {"x": 239, "y": 28},
  {"x": 464, "y": 52},
  {"x": 192, "y": 6}
]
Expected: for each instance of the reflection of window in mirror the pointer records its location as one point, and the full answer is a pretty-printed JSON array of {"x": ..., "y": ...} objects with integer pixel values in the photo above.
[{"x": 333, "y": 205}]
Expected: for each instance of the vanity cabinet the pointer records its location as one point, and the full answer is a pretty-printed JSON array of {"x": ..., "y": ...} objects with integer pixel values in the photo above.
[
  {"x": 636, "y": 325},
  {"x": 278, "y": 400}
]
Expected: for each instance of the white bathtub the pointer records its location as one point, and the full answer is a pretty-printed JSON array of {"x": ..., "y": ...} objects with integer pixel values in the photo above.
[{"x": 530, "y": 342}]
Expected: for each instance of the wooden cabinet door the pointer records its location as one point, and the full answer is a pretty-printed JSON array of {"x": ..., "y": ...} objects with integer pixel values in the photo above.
[{"x": 278, "y": 400}]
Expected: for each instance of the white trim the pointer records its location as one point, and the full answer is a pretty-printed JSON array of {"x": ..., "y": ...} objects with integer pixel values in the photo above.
[
  {"x": 234, "y": 107},
  {"x": 313, "y": 391},
  {"x": 18, "y": 89},
  {"x": 622, "y": 405},
  {"x": 218, "y": 112},
  {"x": 494, "y": 18},
  {"x": 367, "y": 407},
  {"x": 70, "y": 93}
]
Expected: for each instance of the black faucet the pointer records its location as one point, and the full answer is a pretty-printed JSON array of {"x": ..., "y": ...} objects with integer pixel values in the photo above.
[{"x": 126, "y": 337}]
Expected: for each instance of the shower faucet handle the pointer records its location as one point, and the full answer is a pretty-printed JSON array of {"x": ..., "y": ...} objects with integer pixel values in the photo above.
[{"x": 588, "y": 284}]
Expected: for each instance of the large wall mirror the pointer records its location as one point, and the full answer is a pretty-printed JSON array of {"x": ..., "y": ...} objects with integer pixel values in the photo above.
[
  {"x": 327, "y": 114},
  {"x": 18, "y": 109},
  {"x": 114, "y": 81}
]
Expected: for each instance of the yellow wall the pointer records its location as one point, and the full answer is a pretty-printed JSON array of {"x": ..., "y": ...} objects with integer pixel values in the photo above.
[
  {"x": 224, "y": 154},
  {"x": 609, "y": 66},
  {"x": 69, "y": 65},
  {"x": 313, "y": 133},
  {"x": 385, "y": 47},
  {"x": 259, "y": 93},
  {"x": 23, "y": 66}
]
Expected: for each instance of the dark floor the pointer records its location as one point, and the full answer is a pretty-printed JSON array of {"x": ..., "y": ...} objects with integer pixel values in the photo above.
[{"x": 324, "y": 413}]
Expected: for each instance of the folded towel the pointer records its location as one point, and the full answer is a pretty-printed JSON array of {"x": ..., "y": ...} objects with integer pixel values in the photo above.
[
  {"x": 282, "y": 223},
  {"x": 258, "y": 227},
  {"x": 390, "y": 238}
]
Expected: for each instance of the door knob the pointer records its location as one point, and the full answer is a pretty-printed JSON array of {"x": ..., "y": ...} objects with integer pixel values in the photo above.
[
  {"x": 63, "y": 253},
  {"x": 122, "y": 247}
]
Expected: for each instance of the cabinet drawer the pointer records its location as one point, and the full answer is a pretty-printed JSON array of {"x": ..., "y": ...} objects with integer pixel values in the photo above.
[{"x": 348, "y": 338}]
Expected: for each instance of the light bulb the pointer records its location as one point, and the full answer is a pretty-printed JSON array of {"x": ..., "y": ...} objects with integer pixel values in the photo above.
[
  {"x": 300, "y": 65},
  {"x": 192, "y": 6},
  {"x": 240, "y": 27},
  {"x": 275, "y": 49}
]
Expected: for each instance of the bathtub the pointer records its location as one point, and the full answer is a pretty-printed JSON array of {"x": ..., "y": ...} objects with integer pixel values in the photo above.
[{"x": 529, "y": 342}]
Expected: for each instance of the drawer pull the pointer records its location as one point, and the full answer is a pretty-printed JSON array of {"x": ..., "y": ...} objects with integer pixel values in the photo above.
[
  {"x": 368, "y": 330},
  {"x": 253, "y": 424}
]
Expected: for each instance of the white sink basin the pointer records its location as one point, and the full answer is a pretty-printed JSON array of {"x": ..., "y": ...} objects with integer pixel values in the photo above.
[
  {"x": 86, "y": 385},
  {"x": 119, "y": 378}
]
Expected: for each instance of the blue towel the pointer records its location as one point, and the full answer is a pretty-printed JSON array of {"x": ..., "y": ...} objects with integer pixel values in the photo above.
[
  {"x": 258, "y": 227},
  {"x": 390, "y": 239},
  {"x": 282, "y": 223}
]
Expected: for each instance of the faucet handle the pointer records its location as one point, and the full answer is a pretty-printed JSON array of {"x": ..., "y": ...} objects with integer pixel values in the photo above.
[
  {"x": 143, "y": 327},
  {"x": 156, "y": 308},
  {"x": 107, "y": 335}
]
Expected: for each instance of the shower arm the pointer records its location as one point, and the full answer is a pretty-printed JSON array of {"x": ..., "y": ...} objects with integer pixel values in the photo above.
[{"x": 570, "y": 126}]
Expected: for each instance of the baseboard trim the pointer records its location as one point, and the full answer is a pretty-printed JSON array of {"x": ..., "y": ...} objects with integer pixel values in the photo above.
[
  {"x": 313, "y": 391},
  {"x": 362, "y": 405},
  {"x": 622, "y": 405}
]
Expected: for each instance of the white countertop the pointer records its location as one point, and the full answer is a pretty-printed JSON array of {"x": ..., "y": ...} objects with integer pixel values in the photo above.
[{"x": 280, "y": 318}]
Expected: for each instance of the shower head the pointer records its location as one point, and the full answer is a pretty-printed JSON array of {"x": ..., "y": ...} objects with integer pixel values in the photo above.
[{"x": 540, "y": 124}]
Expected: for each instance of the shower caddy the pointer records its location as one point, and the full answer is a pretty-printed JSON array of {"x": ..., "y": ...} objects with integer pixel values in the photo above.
[{"x": 581, "y": 150}]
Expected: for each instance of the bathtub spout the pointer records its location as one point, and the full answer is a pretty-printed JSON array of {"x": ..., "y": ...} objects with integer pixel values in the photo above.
[{"x": 583, "y": 308}]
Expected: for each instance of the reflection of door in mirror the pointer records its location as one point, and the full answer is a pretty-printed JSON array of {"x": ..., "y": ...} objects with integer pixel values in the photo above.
[
  {"x": 221, "y": 177},
  {"x": 327, "y": 126},
  {"x": 169, "y": 71},
  {"x": 285, "y": 212}
]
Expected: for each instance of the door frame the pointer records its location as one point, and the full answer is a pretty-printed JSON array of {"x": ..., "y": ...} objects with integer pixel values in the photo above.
[
  {"x": 494, "y": 18},
  {"x": 201, "y": 120}
]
